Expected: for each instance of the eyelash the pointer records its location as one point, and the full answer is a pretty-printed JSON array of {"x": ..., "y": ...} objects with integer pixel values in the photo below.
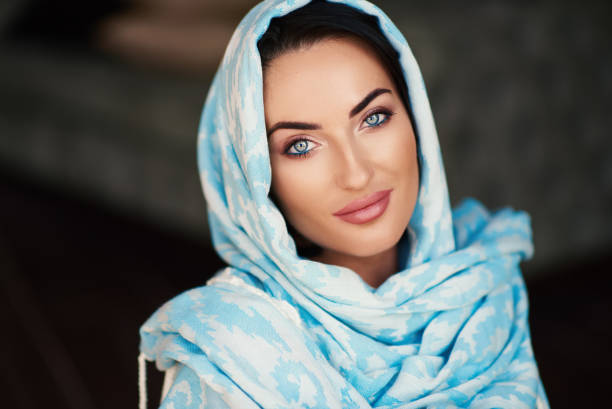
[
  {"x": 299, "y": 155},
  {"x": 380, "y": 111}
]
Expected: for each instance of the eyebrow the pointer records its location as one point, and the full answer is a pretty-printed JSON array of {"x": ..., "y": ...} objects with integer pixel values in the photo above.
[
  {"x": 368, "y": 98},
  {"x": 305, "y": 126},
  {"x": 308, "y": 126}
]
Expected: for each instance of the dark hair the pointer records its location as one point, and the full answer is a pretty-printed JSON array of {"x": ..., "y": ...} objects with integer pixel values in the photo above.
[{"x": 319, "y": 20}]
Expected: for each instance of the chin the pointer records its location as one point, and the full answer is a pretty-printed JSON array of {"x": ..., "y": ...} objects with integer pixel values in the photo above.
[{"x": 368, "y": 245}]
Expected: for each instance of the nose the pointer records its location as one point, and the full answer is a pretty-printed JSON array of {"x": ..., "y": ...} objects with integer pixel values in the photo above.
[{"x": 353, "y": 167}]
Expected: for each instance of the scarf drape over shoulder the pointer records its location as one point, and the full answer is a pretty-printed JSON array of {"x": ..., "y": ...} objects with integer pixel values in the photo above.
[{"x": 274, "y": 330}]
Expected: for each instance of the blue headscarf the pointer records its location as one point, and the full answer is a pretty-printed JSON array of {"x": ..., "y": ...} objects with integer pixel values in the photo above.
[{"x": 274, "y": 330}]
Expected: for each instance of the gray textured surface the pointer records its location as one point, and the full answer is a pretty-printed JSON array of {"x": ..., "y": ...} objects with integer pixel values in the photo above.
[
  {"x": 120, "y": 136},
  {"x": 519, "y": 92}
]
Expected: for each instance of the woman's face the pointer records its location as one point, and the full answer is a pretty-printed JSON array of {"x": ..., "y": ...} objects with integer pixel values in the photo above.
[{"x": 342, "y": 148}]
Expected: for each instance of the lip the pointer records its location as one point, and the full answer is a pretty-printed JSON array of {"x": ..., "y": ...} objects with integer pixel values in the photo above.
[{"x": 365, "y": 209}]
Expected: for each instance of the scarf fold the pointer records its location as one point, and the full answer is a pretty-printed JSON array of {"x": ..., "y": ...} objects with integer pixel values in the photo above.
[{"x": 274, "y": 330}]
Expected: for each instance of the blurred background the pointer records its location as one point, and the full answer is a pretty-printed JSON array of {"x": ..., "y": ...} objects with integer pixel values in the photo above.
[{"x": 102, "y": 218}]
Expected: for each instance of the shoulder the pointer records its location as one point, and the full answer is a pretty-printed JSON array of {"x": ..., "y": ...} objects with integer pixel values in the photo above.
[
  {"x": 231, "y": 333},
  {"x": 505, "y": 230},
  {"x": 229, "y": 309},
  {"x": 232, "y": 298}
]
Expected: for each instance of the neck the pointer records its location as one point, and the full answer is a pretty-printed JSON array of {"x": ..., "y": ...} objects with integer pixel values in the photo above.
[{"x": 374, "y": 270}]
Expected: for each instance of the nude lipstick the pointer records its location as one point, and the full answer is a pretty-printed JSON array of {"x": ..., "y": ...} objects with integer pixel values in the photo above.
[{"x": 366, "y": 209}]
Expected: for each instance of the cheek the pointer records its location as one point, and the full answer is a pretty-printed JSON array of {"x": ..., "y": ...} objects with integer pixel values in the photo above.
[
  {"x": 407, "y": 163},
  {"x": 298, "y": 185},
  {"x": 398, "y": 152}
]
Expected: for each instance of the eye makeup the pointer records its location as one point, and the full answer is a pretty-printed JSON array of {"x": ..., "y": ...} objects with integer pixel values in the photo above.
[
  {"x": 375, "y": 114},
  {"x": 299, "y": 147}
]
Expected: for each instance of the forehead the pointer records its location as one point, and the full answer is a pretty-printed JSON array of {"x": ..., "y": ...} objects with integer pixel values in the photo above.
[{"x": 331, "y": 74}]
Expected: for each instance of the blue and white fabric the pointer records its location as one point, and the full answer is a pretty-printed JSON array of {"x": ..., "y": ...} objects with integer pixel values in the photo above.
[{"x": 274, "y": 330}]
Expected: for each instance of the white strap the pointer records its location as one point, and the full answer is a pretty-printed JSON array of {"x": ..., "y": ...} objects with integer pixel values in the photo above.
[
  {"x": 169, "y": 380},
  {"x": 142, "y": 381}
]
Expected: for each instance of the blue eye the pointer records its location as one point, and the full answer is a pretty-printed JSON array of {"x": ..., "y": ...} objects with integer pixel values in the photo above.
[
  {"x": 299, "y": 147},
  {"x": 376, "y": 119}
]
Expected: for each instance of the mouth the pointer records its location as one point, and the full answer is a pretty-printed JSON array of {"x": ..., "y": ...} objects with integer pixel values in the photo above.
[{"x": 366, "y": 209}]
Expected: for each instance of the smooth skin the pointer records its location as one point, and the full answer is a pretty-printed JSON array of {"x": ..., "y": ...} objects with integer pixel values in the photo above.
[{"x": 337, "y": 132}]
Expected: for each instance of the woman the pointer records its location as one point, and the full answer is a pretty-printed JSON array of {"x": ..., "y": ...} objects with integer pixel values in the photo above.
[{"x": 317, "y": 131}]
